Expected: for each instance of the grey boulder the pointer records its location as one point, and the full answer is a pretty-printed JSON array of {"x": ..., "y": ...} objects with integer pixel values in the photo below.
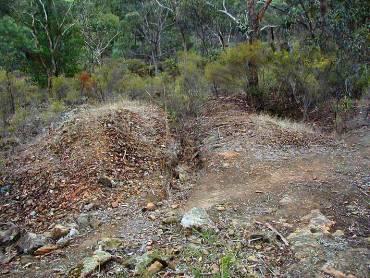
[
  {"x": 197, "y": 218},
  {"x": 30, "y": 242}
]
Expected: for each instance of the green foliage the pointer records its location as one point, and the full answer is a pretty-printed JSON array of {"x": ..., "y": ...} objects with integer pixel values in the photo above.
[
  {"x": 226, "y": 264},
  {"x": 63, "y": 87},
  {"x": 137, "y": 67},
  {"x": 55, "y": 108},
  {"x": 229, "y": 73},
  {"x": 191, "y": 88},
  {"x": 19, "y": 119},
  {"x": 310, "y": 57},
  {"x": 13, "y": 37},
  {"x": 298, "y": 74}
]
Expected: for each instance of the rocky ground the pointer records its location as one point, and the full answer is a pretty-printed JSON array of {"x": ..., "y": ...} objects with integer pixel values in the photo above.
[{"x": 271, "y": 198}]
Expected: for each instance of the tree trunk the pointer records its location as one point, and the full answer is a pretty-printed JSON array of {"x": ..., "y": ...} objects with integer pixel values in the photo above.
[
  {"x": 11, "y": 95},
  {"x": 253, "y": 22}
]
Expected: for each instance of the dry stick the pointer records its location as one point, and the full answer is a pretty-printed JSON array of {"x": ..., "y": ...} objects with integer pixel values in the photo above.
[
  {"x": 362, "y": 191},
  {"x": 268, "y": 225},
  {"x": 124, "y": 155},
  {"x": 277, "y": 232}
]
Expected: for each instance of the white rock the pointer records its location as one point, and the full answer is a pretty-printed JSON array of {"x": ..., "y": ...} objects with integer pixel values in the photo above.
[{"x": 197, "y": 218}]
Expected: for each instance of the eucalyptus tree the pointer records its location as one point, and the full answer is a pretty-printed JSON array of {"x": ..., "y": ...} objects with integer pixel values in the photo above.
[
  {"x": 12, "y": 38},
  {"x": 55, "y": 37},
  {"x": 99, "y": 28}
]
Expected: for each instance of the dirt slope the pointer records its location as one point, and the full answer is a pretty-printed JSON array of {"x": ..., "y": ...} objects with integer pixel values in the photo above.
[{"x": 103, "y": 155}]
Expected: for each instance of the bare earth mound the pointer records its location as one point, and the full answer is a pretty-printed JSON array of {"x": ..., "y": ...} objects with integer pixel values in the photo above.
[{"x": 104, "y": 155}]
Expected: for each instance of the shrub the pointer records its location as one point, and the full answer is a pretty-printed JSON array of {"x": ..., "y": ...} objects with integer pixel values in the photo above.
[
  {"x": 133, "y": 85},
  {"x": 62, "y": 86},
  {"x": 230, "y": 72},
  {"x": 190, "y": 88},
  {"x": 298, "y": 76}
]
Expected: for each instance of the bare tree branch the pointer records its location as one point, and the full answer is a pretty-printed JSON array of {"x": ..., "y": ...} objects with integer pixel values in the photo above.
[{"x": 165, "y": 7}]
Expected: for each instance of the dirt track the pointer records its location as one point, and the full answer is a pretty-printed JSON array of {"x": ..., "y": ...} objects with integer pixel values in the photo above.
[{"x": 256, "y": 170}]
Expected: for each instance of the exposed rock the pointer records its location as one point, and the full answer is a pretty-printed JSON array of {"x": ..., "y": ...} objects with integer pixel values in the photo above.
[
  {"x": 318, "y": 221},
  {"x": 334, "y": 273},
  {"x": 305, "y": 244},
  {"x": 91, "y": 263},
  {"x": 155, "y": 267},
  {"x": 170, "y": 220},
  {"x": 9, "y": 233},
  {"x": 318, "y": 251},
  {"x": 46, "y": 249},
  {"x": 353, "y": 262},
  {"x": 338, "y": 233},
  {"x": 287, "y": 200},
  {"x": 83, "y": 220},
  {"x": 147, "y": 260},
  {"x": 89, "y": 206},
  {"x": 109, "y": 244},
  {"x": 59, "y": 231},
  {"x": 29, "y": 242},
  {"x": 105, "y": 181},
  {"x": 196, "y": 218},
  {"x": 181, "y": 173},
  {"x": 66, "y": 240}
]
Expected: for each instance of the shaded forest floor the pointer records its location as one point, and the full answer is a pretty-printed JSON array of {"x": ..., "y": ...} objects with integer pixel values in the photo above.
[{"x": 286, "y": 200}]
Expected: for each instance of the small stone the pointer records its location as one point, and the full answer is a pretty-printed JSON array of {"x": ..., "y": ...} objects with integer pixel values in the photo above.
[
  {"x": 146, "y": 260},
  {"x": 338, "y": 233},
  {"x": 252, "y": 259},
  {"x": 221, "y": 208},
  {"x": 175, "y": 206},
  {"x": 115, "y": 205},
  {"x": 170, "y": 220},
  {"x": 67, "y": 239},
  {"x": 108, "y": 244},
  {"x": 89, "y": 206},
  {"x": 155, "y": 267},
  {"x": 105, "y": 181},
  {"x": 152, "y": 217},
  {"x": 151, "y": 207},
  {"x": 231, "y": 232},
  {"x": 215, "y": 269},
  {"x": 91, "y": 263},
  {"x": 258, "y": 247},
  {"x": 45, "y": 250},
  {"x": 83, "y": 220},
  {"x": 286, "y": 201},
  {"x": 59, "y": 231}
]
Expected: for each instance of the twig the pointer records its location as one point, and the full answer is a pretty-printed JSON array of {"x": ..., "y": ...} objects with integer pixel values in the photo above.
[
  {"x": 277, "y": 232},
  {"x": 362, "y": 191}
]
